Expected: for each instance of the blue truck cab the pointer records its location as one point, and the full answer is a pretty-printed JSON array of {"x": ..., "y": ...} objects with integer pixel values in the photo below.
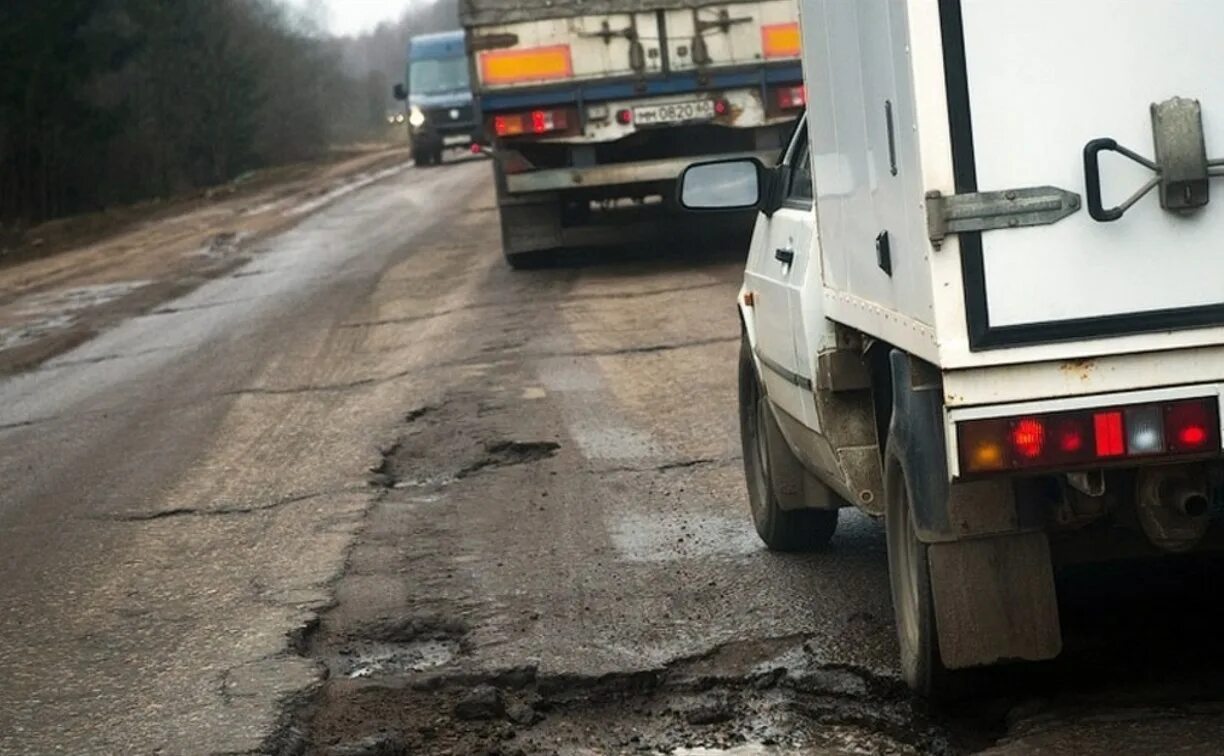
[{"x": 438, "y": 95}]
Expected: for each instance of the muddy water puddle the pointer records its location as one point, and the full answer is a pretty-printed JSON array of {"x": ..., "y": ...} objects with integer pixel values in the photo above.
[{"x": 36, "y": 316}]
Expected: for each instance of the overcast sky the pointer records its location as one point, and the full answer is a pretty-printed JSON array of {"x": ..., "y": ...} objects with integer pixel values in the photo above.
[{"x": 356, "y": 16}]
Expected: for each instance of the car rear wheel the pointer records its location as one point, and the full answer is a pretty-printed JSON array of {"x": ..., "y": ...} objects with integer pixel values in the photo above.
[
  {"x": 766, "y": 464},
  {"x": 913, "y": 606}
]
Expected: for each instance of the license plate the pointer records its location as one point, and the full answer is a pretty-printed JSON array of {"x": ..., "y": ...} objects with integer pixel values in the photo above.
[
  {"x": 693, "y": 110},
  {"x": 460, "y": 139}
]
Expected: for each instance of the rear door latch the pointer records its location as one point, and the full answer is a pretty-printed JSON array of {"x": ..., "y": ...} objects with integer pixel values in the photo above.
[{"x": 1181, "y": 168}]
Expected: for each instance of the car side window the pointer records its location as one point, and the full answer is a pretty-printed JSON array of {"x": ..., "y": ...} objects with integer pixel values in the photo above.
[{"x": 800, "y": 189}]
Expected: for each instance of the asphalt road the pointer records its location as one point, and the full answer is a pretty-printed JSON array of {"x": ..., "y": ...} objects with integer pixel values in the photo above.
[{"x": 373, "y": 492}]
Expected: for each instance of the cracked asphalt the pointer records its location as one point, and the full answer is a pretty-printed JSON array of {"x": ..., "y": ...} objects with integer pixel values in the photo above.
[{"x": 372, "y": 492}]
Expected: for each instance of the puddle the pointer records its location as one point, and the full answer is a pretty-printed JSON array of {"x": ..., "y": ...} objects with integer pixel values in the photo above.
[
  {"x": 351, "y": 185},
  {"x": 15, "y": 336},
  {"x": 222, "y": 245},
  {"x": 373, "y": 660},
  {"x": 750, "y": 749},
  {"x": 50, "y": 312},
  {"x": 73, "y": 300}
]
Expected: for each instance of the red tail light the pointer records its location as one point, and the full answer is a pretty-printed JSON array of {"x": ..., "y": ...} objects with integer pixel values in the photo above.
[
  {"x": 792, "y": 98},
  {"x": 1190, "y": 427},
  {"x": 1028, "y": 438},
  {"x": 1036, "y": 442},
  {"x": 1110, "y": 440},
  {"x": 530, "y": 123},
  {"x": 624, "y": 116}
]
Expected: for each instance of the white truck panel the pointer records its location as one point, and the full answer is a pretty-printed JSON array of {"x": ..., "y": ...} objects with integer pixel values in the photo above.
[
  {"x": 1069, "y": 69},
  {"x": 1031, "y": 52},
  {"x": 858, "y": 70}
]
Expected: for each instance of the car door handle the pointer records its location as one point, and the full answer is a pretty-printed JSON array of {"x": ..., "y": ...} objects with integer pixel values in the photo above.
[{"x": 784, "y": 255}]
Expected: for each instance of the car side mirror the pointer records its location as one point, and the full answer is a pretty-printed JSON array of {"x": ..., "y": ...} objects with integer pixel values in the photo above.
[
  {"x": 400, "y": 93},
  {"x": 723, "y": 185}
]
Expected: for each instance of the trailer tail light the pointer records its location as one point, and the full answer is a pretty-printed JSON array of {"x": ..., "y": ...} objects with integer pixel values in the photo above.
[
  {"x": 1066, "y": 439},
  {"x": 531, "y": 123},
  {"x": 781, "y": 40},
  {"x": 792, "y": 98},
  {"x": 526, "y": 65},
  {"x": 624, "y": 116}
]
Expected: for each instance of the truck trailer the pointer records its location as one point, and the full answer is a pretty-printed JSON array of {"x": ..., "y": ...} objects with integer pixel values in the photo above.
[
  {"x": 984, "y": 303},
  {"x": 594, "y": 107}
]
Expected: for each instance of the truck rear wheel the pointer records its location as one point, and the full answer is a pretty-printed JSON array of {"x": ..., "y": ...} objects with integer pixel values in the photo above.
[
  {"x": 768, "y": 463},
  {"x": 913, "y": 605}
]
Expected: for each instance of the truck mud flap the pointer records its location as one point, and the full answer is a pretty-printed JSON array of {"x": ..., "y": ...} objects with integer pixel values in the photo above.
[
  {"x": 916, "y": 438},
  {"x": 995, "y": 600}
]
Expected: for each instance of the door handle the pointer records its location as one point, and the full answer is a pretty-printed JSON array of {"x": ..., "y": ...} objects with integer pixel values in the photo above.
[{"x": 784, "y": 255}]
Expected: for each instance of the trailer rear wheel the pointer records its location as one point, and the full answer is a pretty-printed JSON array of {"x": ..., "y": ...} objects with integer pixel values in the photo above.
[
  {"x": 913, "y": 604},
  {"x": 768, "y": 462}
]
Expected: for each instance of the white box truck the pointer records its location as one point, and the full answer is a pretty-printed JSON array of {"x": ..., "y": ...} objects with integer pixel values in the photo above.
[
  {"x": 985, "y": 301},
  {"x": 593, "y": 107}
]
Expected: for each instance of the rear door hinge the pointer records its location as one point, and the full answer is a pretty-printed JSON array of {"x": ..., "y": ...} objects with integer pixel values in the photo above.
[{"x": 988, "y": 211}]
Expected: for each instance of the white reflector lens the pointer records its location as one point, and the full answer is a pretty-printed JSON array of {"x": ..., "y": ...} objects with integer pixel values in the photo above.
[{"x": 1144, "y": 430}]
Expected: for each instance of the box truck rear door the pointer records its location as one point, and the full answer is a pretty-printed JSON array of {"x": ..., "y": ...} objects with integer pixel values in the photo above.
[{"x": 1030, "y": 84}]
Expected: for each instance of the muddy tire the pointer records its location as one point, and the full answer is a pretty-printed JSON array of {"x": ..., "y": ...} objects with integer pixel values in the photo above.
[
  {"x": 767, "y": 464},
  {"x": 909, "y": 575}
]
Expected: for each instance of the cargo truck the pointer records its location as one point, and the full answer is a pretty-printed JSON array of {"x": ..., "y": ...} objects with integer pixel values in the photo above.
[
  {"x": 594, "y": 107},
  {"x": 984, "y": 303}
]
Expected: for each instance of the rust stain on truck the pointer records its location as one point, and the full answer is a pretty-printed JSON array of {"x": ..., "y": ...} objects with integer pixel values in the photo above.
[{"x": 1082, "y": 369}]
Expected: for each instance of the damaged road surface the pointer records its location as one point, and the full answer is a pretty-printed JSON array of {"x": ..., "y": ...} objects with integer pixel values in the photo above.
[{"x": 374, "y": 493}]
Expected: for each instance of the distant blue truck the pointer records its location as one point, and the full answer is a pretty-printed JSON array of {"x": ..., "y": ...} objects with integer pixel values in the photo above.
[{"x": 439, "y": 96}]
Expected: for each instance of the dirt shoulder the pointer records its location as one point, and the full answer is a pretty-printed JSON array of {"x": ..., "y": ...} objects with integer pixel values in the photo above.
[{"x": 88, "y": 273}]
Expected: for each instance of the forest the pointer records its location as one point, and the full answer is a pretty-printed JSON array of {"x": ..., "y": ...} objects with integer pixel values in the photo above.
[{"x": 106, "y": 102}]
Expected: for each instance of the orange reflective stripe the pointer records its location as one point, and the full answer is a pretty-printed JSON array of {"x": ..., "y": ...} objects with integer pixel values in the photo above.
[
  {"x": 781, "y": 40},
  {"x": 532, "y": 64}
]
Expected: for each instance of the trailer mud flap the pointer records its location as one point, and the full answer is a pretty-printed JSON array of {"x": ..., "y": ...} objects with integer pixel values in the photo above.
[{"x": 995, "y": 600}]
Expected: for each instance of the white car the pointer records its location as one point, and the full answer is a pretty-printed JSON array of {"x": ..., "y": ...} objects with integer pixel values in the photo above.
[{"x": 947, "y": 327}]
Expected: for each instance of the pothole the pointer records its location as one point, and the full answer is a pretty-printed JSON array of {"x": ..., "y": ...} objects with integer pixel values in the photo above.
[
  {"x": 412, "y": 645},
  {"x": 375, "y": 659},
  {"x": 507, "y": 453},
  {"x": 754, "y": 698},
  {"x": 402, "y": 464}
]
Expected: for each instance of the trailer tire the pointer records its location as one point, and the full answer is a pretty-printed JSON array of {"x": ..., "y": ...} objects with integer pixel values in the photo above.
[
  {"x": 909, "y": 575},
  {"x": 766, "y": 464}
]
